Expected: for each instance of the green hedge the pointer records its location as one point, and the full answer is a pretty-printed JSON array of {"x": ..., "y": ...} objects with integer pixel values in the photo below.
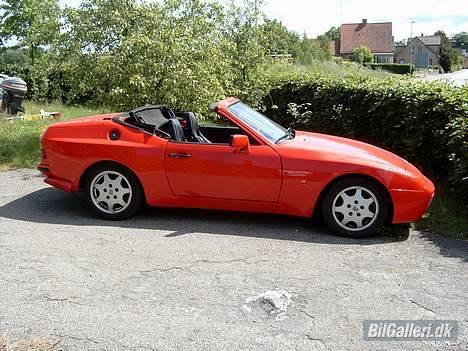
[
  {"x": 426, "y": 123},
  {"x": 392, "y": 67}
]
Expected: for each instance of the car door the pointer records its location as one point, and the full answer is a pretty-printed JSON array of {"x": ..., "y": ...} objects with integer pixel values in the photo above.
[{"x": 221, "y": 171}]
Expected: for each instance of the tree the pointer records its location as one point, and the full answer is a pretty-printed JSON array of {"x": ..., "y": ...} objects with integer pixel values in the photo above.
[
  {"x": 277, "y": 39},
  {"x": 460, "y": 40},
  {"x": 242, "y": 29},
  {"x": 402, "y": 42},
  {"x": 362, "y": 54},
  {"x": 31, "y": 22},
  {"x": 449, "y": 58},
  {"x": 333, "y": 33},
  {"x": 13, "y": 56},
  {"x": 123, "y": 53}
]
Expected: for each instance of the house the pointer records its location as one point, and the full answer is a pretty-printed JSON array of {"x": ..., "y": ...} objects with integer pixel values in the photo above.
[
  {"x": 376, "y": 36},
  {"x": 335, "y": 47},
  {"x": 421, "y": 51}
]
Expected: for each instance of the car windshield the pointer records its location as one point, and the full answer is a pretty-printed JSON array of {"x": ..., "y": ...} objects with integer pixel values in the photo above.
[{"x": 262, "y": 124}]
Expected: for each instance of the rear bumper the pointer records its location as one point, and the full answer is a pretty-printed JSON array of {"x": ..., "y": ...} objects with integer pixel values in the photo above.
[
  {"x": 410, "y": 205},
  {"x": 61, "y": 184},
  {"x": 58, "y": 183}
]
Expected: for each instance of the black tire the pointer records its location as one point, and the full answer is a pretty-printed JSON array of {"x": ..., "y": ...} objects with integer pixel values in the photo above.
[
  {"x": 131, "y": 201},
  {"x": 341, "y": 207}
]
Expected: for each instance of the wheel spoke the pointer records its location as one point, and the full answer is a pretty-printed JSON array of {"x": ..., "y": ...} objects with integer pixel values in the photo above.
[
  {"x": 117, "y": 181},
  {"x": 346, "y": 220},
  {"x": 358, "y": 221},
  {"x": 107, "y": 180},
  {"x": 366, "y": 213},
  {"x": 341, "y": 209},
  {"x": 124, "y": 191},
  {"x": 358, "y": 195},
  {"x": 346, "y": 198},
  {"x": 101, "y": 198},
  {"x": 100, "y": 187},
  {"x": 368, "y": 202},
  {"x": 110, "y": 202},
  {"x": 120, "y": 202}
]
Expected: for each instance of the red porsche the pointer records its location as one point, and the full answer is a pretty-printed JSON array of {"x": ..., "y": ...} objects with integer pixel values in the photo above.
[{"x": 153, "y": 155}]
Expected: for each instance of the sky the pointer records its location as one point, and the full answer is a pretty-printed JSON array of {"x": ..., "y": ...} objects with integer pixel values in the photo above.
[{"x": 316, "y": 17}]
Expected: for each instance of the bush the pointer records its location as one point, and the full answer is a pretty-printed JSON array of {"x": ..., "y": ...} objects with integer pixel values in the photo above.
[
  {"x": 392, "y": 67},
  {"x": 362, "y": 54},
  {"x": 426, "y": 123}
]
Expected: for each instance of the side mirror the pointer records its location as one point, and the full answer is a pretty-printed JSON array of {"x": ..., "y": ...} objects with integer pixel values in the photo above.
[{"x": 240, "y": 142}]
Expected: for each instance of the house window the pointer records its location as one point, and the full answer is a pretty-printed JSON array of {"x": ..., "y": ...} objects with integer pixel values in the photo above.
[
  {"x": 430, "y": 62},
  {"x": 419, "y": 49},
  {"x": 382, "y": 59},
  {"x": 402, "y": 61}
]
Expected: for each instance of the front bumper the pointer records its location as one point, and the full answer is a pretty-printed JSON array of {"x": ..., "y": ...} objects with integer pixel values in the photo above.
[{"x": 410, "y": 205}]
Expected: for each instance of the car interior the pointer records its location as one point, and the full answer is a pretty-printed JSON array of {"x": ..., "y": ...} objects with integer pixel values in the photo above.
[{"x": 180, "y": 126}]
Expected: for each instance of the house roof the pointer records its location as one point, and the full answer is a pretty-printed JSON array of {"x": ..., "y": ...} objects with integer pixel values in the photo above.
[
  {"x": 431, "y": 40},
  {"x": 376, "y": 36}
]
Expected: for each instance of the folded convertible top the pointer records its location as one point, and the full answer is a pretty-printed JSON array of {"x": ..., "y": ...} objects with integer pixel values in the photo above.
[{"x": 154, "y": 115}]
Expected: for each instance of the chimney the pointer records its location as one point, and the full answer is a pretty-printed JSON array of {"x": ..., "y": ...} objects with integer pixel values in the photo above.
[
  {"x": 364, "y": 21},
  {"x": 422, "y": 34}
]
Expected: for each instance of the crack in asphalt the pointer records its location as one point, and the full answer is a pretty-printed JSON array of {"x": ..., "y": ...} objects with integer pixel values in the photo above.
[
  {"x": 59, "y": 299},
  {"x": 311, "y": 338},
  {"x": 68, "y": 300},
  {"x": 191, "y": 265},
  {"x": 307, "y": 314},
  {"x": 78, "y": 338},
  {"x": 421, "y": 306}
]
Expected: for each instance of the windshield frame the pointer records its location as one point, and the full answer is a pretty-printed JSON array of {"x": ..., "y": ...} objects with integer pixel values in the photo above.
[{"x": 264, "y": 126}]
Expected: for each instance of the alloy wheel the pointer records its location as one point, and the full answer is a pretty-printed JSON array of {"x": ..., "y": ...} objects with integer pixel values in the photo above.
[
  {"x": 355, "y": 208},
  {"x": 111, "y": 192}
]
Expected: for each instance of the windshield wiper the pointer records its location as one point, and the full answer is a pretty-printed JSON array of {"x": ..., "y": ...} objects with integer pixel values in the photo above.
[{"x": 290, "y": 133}]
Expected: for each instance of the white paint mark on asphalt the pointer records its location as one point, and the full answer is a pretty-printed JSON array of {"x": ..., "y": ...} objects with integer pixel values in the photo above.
[{"x": 275, "y": 302}]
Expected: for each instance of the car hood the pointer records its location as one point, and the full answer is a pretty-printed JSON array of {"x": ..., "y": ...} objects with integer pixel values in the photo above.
[{"x": 336, "y": 149}]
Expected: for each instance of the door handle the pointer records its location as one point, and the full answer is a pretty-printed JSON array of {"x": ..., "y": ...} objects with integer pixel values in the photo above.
[{"x": 177, "y": 155}]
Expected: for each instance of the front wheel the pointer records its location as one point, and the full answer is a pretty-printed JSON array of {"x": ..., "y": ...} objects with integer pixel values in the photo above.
[
  {"x": 113, "y": 192},
  {"x": 355, "y": 207}
]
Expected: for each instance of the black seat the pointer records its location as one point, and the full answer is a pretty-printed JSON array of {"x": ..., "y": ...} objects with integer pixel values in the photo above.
[
  {"x": 175, "y": 129},
  {"x": 194, "y": 130}
]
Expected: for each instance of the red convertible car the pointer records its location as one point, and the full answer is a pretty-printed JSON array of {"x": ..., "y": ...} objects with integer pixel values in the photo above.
[{"x": 153, "y": 155}]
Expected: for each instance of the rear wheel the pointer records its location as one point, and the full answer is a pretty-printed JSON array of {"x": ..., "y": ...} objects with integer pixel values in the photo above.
[
  {"x": 355, "y": 207},
  {"x": 113, "y": 192}
]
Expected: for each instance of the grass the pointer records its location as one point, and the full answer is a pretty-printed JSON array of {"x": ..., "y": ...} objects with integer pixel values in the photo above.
[
  {"x": 448, "y": 215},
  {"x": 19, "y": 140},
  {"x": 68, "y": 112}
]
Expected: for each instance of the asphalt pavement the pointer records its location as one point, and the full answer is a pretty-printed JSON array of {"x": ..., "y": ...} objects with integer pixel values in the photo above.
[{"x": 173, "y": 279}]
